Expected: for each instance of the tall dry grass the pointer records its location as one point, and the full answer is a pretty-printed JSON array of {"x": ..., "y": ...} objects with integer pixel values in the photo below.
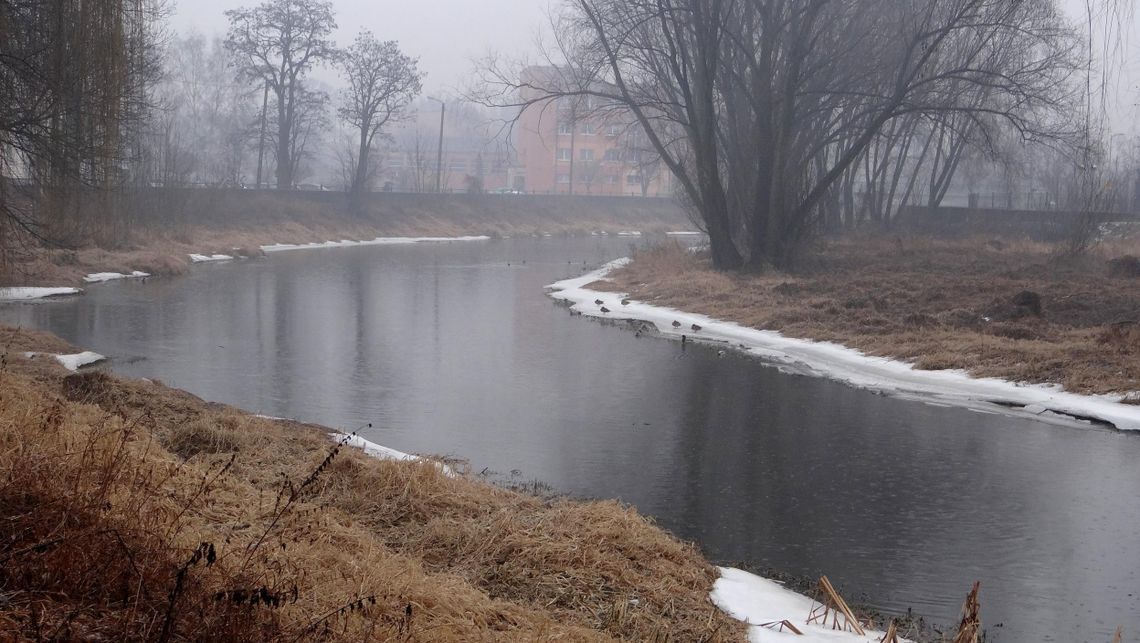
[{"x": 131, "y": 511}]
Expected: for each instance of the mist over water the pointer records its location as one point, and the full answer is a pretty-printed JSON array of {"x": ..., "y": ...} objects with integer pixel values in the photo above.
[{"x": 454, "y": 349}]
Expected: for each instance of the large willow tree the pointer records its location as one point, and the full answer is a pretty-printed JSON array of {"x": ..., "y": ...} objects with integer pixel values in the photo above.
[
  {"x": 758, "y": 107},
  {"x": 73, "y": 92}
]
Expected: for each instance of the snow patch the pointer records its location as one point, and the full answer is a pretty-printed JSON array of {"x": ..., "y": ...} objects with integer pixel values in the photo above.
[
  {"x": 754, "y": 600},
  {"x": 100, "y": 277},
  {"x": 72, "y": 362},
  {"x": 378, "y": 241},
  {"x": 30, "y": 293},
  {"x": 880, "y": 374},
  {"x": 383, "y": 453},
  {"x": 685, "y": 233},
  {"x": 205, "y": 258},
  {"x": 629, "y": 233}
]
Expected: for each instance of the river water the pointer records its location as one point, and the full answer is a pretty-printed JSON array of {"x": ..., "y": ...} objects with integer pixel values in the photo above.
[{"x": 454, "y": 349}]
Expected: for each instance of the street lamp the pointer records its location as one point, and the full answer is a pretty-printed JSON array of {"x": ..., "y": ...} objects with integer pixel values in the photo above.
[{"x": 439, "y": 152}]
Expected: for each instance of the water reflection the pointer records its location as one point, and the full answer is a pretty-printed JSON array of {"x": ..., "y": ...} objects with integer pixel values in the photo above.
[{"x": 454, "y": 349}]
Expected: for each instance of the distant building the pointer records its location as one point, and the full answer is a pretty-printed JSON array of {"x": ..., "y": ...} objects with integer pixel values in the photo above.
[
  {"x": 474, "y": 157},
  {"x": 573, "y": 145}
]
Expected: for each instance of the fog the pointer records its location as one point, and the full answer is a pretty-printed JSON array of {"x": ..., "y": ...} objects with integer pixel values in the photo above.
[{"x": 444, "y": 34}]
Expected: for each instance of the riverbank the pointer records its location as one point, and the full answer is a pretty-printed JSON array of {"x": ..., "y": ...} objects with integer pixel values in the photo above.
[
  {"x": 132, "y": 509},
  {"x": 238, "y": 223},
  {"x": 945, "y": 315}
]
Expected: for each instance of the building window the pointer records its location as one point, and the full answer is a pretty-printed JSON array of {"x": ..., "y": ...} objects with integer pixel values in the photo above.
[
  {"x": 588, "y": 129},
  {"x": 457, "y": 166},
  {"x": 611, "y": 180},
  {"x": 612, "y": 130},
  {"x": 564, "y": 154},
  {"x": 563, "y": 178},
  {"x": 564, "y": 129},
  {"x": 395, "y": 163},
  {"x": 585, "y": 155},
  {"x": 613, "y": 155},
  {"x": 633, "y": 179}
]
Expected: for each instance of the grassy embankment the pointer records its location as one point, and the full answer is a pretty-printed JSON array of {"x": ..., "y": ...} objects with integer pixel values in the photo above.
[
  {"x": 938, "y": 304},
  {"x": 132, "y": 511},
  {"x": 222, "y": 221}
]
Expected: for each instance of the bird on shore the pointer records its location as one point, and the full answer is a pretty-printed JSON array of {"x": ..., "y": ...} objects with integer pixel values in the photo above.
[
  {"x": 625, "y": 302},
  {"x": 696, "y": 328},
  {"x": 676, "y": 324},
  {"x": 605, "y": 310},
  {"x": 599, "y": 302}
]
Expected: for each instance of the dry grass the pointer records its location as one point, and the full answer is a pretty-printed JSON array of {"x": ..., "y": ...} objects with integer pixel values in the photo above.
[
  {"x": 936, "y": 303},
  {"x": 136, "y": 512}
]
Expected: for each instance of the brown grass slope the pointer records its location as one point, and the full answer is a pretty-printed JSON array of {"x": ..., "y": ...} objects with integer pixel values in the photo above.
[
  {"x": 175, "y": 223},
  {"x": 131, "y": 511},
  {"x": 936, "y": 303}
]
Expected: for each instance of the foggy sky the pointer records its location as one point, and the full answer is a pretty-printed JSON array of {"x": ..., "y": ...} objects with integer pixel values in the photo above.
[{"x": 446, "y": 34}]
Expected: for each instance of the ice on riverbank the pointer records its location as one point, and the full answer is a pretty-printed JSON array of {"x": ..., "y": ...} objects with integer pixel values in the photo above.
[
  {"x": 825, "y": 359},
  {"x": 208, "y": 258},
  {"x": 72, "y": 362},
  {"x": 378, "y": 241},
  {"x": 27, "y": 293},
  {"x": 100, "y": 277},
  {"x": 755, "y": 600},
  {"x": 384, "y": 453}
]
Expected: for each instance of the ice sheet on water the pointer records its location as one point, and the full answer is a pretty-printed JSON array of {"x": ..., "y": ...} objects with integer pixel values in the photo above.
[
  {"x": 28, "y": 293},
  {"x": 100, "y": 277},
  {"x": 378, "y": 241},
  {"x": 755, "y": 600}
]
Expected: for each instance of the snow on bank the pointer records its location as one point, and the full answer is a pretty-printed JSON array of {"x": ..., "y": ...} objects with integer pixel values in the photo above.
[
  {"x": 825, "y": 359},
  {"x": 754, "y": 600},
  {"x": 378, "y": 241},
  {"x": 100, "y": 277},
  {"x": 685, "y": 233},
  {"x": 383, "y": 453},
  {"x": 72, "y": 362},
  {"x": 206, "y": 258},
  {"x": 30, "y": 293}
]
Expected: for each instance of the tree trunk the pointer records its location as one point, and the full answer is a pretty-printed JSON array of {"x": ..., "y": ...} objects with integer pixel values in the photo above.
[
  {"x": 360, "y": 181},
  {"x": 284, "y": 147}
]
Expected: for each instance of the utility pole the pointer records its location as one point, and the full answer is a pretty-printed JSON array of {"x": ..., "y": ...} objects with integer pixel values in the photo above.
[
  {"x": 439, "y": 152},
  {"x": 261, "y": 141}
]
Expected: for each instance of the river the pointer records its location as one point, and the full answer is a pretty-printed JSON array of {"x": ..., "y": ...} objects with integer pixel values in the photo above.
[{"x": 454, "y": 349}]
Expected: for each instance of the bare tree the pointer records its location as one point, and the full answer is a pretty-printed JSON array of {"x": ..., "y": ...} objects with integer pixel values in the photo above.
[
  {"x": 381, "y": 83},
  {"x": 758, "y": 109},
  {"x": 310, "y": 121},
  {"x": 279, "y": 42}
]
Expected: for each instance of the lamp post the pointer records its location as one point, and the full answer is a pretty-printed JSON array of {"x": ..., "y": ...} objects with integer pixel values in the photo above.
[{"x": 439, "y": 152}]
